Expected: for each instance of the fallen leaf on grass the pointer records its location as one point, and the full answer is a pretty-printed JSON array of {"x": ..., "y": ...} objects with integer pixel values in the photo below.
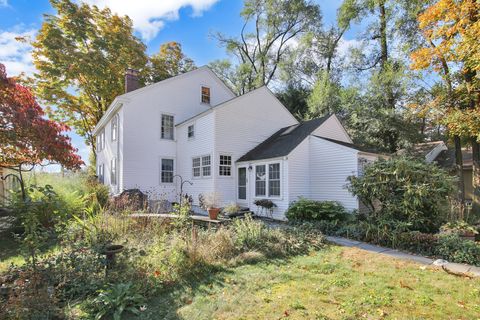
[{"x": 404, "y": 285}]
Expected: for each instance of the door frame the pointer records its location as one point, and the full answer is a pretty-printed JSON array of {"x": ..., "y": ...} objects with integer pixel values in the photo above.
[{"x": 247, "y": 195}]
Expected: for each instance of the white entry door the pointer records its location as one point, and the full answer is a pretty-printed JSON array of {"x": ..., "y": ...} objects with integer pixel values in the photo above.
[{"x": 242, "y": 185}]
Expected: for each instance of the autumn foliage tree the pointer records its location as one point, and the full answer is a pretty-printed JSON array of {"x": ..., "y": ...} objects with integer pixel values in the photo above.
[
  {"x": 27, "y": 138},
  {"x": 452, "y": 29},
  {"x": 81, "y": 53}
]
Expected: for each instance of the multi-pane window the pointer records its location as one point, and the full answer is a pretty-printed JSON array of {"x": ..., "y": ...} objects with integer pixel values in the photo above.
[
  {"x": 115, "y": 127},
  {"x": 167, "y": 127},
  {"x": 225, "y": 168},
  {"x": 206, "y": 95},
  {"x": 196, "y": 167},
  {"x": 274, "y": 180},
  {"x": 260, "y": 180},
  {"x": 201, "y": 166},
  {"x": 206, "y": 166},
  {"x": 113, "y": 171},
  {"x": 167, "y": 171},
  {"x": 100, "y": 174},
  {"x": 101, "y": 140},
  {"x": 267, "y": 177},
  {"x": 191, "y": 131}
]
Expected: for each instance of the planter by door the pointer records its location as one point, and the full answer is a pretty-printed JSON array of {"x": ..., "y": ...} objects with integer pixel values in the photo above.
[{"x": 213, "y": 213}]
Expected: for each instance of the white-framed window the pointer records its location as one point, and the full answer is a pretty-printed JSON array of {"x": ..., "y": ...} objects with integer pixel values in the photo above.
[
  {"x": 274, "y": 180},
  {"x": 166, "y": 171},
  {"x": 225, "y": 165},
  {"x": 101, "y": 140},
  {"x": 205, "y": 95},
  {"x": 206, "y": 166},
  {"x": 167, "y": 127},
  {"x": 113, "y": 171},
  {"x": 100, "y": 173},
  {"x": 191, "y": 131},
  {"x": 196, "y": 167},
  {"x": 114, "y": 125},
  {"x": 268, "y": 180},
  {"x": 202, "y": 166},
  {"x": 260, "y": 180}
]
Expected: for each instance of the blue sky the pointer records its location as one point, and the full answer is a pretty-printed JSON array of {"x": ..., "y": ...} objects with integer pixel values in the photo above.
[{"x": 189, "y": 22}]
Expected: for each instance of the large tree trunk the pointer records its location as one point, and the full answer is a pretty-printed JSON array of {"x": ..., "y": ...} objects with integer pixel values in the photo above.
[
  {"x": 476, "y": 178},
  {"x": 383, "y": 35},
  {"x": 459, "y": 171}
]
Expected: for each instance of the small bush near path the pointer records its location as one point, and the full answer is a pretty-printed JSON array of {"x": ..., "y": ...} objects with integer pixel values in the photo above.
[{"x": 310, "y": 210}]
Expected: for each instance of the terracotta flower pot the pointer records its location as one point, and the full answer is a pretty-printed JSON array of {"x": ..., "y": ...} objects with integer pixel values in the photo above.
[{"x": 213, "y": 213}]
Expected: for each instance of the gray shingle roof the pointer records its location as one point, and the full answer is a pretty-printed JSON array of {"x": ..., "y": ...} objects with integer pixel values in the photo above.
[
  {"x": 282, "y": 142},
  {"x": 350, "y": 145}
]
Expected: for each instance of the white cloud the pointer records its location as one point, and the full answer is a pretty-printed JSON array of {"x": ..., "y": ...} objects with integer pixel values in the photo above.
[
  {"x": 149, "y": 16},
  {"x": 14, "y": 54},
  {"x": 3, "y": 3},
  {"x": 346, "y": 45}
]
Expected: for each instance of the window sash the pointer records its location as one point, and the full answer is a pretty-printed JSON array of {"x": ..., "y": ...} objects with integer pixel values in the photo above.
[
  {"x": 115, "y": 127},
  {"x": 268, "y": 180},
  {"x": 206, "y": 95},
  {"x": 274, "y": 180},
  {"x": 167, "y": 169},
  {"x": 225, "y": 166},
  {"x": 196, "y": 167},
  {"x": 167, "y": 127},
  {"x": 191, "y": 131},
  {"x": 113, "y": 172},
  {"x": 260, "y": 180},
  {"x": 100, "y": 173},
  {"x": 201, "y": 166}
]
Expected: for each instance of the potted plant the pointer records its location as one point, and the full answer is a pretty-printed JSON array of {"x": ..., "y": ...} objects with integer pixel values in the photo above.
[
  {"x": 461, "y": 228},
  {"x": 211, "y": 201}
]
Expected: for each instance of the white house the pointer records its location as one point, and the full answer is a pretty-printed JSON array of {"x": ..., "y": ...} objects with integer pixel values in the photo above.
[{"x": 245, "y": 148}]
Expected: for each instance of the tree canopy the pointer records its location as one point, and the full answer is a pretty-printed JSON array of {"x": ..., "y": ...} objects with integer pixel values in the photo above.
[{"x": 26, "y": 136}]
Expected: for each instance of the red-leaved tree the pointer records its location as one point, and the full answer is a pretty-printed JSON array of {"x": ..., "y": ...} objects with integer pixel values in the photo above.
[{"x": 27, "y": 138}]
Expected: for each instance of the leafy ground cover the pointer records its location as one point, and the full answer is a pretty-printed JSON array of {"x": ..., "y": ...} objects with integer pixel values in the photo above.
[{"x": 336, "y": 283}]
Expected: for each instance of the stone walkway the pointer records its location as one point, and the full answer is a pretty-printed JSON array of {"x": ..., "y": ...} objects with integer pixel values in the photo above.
[{"x": 456, "y": 268}]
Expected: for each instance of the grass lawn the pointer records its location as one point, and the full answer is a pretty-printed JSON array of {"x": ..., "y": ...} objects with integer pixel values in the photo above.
[{"x": 336, "y": 283}]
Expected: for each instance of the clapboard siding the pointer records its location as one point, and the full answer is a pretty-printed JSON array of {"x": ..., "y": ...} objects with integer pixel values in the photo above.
[
  {"x": 242, "y": 124},
  {"x": 201, "y": 145},
  {"x": 112, "y": 149},
  {"x": 333, "y": 129},
  {"x": 330, "y": 165},
  {"x": 143, "y": 146},
  {"x": 299, "y": 171}
]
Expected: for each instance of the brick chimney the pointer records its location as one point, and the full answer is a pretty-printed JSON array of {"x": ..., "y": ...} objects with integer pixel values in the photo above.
[{"x": 131, "y": 80}]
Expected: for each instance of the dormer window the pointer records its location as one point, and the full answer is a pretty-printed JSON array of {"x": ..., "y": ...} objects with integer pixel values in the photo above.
[{"x": 206, "y": 95}]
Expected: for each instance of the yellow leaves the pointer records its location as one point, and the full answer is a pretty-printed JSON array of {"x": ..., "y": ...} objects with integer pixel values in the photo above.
[{"x": 422, "y": 58}]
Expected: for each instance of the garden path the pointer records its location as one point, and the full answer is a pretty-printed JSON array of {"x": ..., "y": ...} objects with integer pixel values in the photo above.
[{"x": 456, "y": 268}]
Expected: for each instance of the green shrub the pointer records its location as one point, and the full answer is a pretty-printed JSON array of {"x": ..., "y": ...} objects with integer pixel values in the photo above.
[
  {"x": 458, "y": 227},
  {"x": 417, "y": 242},
  {"x": 404, "y": 190},
  {"x": 116, "y": 299},
  {"x": 454, "y": 249},
  {"x": 249, "y": 234},
  {"x": 311, "y": 210}
]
